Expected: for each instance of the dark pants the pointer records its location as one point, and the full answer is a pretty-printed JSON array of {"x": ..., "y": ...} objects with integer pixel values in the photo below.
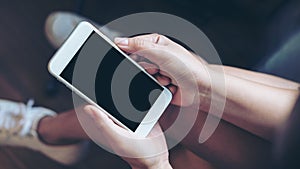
[{"x": 286, "y": 61}]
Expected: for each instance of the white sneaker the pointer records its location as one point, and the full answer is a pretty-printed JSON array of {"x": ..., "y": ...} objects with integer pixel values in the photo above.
[
  {"x": 59, "y": 26},
  {"x": 18, "y": 124}
]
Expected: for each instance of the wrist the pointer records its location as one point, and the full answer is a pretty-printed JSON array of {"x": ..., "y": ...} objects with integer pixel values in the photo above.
[
  {"x": 204, "y": 83},
  {"x": 203, "y": 76},
  {"x": 212, "y": 86}
]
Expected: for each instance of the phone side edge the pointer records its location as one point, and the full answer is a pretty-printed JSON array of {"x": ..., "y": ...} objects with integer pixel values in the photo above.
[
  {"x": 153, "y": 115},
  {"x": 69, "y": 48}
]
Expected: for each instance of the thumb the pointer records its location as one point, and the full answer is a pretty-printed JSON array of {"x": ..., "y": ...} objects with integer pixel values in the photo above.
[
  {"x": 106, "y": 126},
  {"x": 117, "y": 139}
]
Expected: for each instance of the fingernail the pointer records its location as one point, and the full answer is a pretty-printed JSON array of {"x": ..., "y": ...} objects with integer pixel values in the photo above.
[{"x": 121, "y": 41}]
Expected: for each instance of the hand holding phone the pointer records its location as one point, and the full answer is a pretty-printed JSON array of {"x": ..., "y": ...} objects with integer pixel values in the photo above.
[
  {"x": 98, "y": 71},
  {"x": 184, "y": 73}
]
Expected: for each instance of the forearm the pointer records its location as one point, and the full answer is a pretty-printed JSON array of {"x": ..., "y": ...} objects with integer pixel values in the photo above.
[
  {"x": 256, "y": 102},
  {"x": 258, "y": 77}
]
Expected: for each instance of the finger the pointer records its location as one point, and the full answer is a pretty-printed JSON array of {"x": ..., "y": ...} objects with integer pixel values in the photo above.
[
  {"x": 106, "y": 126},
  {"x": 152, "y": 48},
  {"x": 139, "y": 58},
  {"x": 164, "y": 73},
  {"x": 163, "y": 80},
  {"x": 154, "y": 38},
  {"x": 150, "y": 68},
  {"x": 143, "y": 59},
  {"x": 135, "y": 57},
  {"x": 172, "y": 88},
  {"x": 179, "y": 100},
  {"x": 156, "y": 131}
]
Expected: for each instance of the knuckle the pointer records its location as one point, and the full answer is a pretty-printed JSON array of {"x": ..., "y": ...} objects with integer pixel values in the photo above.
[
  {"x": 101, "y": 124},
  {"x": 139, "y": 42},
  {"x": 158, "y": 38}
]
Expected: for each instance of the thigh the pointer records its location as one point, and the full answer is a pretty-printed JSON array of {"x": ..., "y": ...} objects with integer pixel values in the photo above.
[{"x": 182, "y": 158}]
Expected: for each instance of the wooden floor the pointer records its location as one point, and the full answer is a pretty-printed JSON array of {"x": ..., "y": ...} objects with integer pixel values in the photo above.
[{"x": 24, "y": 53}]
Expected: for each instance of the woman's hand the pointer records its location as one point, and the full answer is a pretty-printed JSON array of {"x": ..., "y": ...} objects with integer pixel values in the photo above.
[
  {"x": 149, "y": 153},
  {"x": 171, "y": 64}
]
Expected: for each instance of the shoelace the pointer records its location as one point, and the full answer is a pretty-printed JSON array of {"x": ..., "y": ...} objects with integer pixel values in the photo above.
[{"x": 17, "y": 120}]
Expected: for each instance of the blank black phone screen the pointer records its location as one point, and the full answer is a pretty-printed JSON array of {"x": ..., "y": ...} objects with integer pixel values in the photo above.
[{"x": 112, "y": 81}]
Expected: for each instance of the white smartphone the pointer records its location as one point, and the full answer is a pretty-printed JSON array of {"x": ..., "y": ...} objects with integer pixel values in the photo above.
[{"x": 91, "y": 65}]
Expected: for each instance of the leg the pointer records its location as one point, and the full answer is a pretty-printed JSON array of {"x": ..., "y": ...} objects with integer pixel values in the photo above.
[
  {"x": 229, "y": 146},
  {"x": 66, "y": 129},
  {"x": 62, "y": 129},
  {"x": 19, "y": 128}
]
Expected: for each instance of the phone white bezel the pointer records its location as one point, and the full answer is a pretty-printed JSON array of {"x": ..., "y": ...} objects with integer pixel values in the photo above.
[{"x": 69, "y": 49}]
